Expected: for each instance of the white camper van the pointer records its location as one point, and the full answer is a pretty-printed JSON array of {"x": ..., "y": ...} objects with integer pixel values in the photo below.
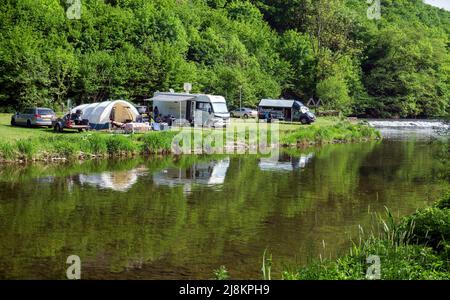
[{"x": 194, "y": 109}]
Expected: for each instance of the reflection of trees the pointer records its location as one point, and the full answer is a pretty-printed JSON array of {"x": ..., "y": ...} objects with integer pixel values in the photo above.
[{"x": 41, "y": 224}]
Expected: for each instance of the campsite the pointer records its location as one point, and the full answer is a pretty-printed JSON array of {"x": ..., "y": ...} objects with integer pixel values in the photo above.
[{"x": 228, "y": 140}]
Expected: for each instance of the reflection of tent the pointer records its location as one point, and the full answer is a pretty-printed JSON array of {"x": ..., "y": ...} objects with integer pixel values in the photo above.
[
  {"x": 284, "y": 163},
  {"x": 100, "y": 114},
  {"x": 210, "y": 173},
  {"x": 118, "y": 181}
]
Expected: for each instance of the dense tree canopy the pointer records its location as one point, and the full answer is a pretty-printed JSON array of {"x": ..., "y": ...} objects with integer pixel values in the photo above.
[{"x": 328, "y": 49}]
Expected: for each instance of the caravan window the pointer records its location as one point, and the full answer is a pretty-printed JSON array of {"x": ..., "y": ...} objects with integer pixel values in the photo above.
[{"x": 203, "y": 106}]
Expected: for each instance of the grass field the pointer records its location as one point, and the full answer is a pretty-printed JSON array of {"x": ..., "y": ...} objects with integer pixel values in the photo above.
[
  {"x": 21, "y": 143},
  {"x": 10, "y": 133}
]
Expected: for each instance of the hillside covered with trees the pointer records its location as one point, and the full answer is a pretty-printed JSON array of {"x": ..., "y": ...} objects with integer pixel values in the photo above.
[{"x": 396, "y": 66}]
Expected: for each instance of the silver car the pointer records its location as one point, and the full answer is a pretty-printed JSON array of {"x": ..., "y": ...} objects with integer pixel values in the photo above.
[
  {"x": 37, "y": 116},
  {"x": 244, "y": 113}
]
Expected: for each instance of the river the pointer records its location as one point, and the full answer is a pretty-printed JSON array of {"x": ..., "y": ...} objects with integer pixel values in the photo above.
[{"x": 182, "y": 218}]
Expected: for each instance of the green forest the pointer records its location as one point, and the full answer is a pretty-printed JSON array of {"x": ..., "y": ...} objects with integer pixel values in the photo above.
[{"x": 394, "y": 66}]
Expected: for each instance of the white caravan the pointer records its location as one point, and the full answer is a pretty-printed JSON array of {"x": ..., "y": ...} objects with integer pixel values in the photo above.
[{"x": 195, "y": 109}]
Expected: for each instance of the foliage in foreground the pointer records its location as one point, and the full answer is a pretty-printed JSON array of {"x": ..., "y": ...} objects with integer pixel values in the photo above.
[
  {"x": 221, "y": 273},
  {"x": 415, "y": 248}
]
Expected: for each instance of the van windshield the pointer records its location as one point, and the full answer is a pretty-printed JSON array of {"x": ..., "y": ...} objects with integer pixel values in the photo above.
[{"x": 220, "y": 107}]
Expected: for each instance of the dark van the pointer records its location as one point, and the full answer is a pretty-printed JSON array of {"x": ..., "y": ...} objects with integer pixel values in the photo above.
[{"x": 285, "y": 110}]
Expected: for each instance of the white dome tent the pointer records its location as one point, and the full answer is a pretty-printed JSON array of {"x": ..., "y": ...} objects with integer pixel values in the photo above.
[{"x": 102, "y": 113}]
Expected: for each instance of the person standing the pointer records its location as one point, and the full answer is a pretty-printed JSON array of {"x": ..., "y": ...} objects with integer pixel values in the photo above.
[{"x": 155, "y": 113}]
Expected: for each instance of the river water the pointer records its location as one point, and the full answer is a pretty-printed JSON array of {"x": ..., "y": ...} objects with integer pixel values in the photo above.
[{"x": 182, "y": 218}]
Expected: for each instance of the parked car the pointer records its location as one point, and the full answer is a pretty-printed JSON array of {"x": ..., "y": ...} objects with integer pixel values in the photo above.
[
  {"x": 244, "y": 113},
  {"x": 37, "y": 116},
  {"x": 71, "y": 121}
]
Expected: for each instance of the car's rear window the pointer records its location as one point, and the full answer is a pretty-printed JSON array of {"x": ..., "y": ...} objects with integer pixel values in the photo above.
[{"x": 45, "y": 112}]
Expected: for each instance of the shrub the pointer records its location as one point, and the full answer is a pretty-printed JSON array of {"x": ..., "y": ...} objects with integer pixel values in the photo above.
[
  {"x": 334, "y": 93},
  {"x": 430, "y": 227},
  {"x": 444, "y": 203}
]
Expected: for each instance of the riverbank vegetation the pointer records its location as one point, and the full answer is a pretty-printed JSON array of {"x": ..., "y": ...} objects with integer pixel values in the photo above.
[
  {"x": 28, "y": 144},
  {"x": 340, "y": 132},
  {"x": 355, "y": 62},
  {"x": 86, "y": 146},
  {"x": 416, "y": 247}
]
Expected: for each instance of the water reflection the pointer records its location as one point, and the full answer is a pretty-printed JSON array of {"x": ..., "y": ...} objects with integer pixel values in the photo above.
[
  {"x": 120, "y": 181},
  {"x": 285, "y": 162},
  {"x": 183, "y": 217},
  {"x": 209, "y": 173}
]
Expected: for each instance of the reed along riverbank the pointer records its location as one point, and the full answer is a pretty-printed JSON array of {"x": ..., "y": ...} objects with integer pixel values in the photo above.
[
  {"x": 41, "y": 144},
  {"x": 416, "y": 247}
]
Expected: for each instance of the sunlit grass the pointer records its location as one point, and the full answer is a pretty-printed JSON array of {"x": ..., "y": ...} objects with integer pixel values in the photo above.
[{"x": 43, "y": 144}]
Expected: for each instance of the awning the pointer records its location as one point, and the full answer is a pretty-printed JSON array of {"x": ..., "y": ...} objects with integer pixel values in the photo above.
[
  {"x": 172, "y": 98},
  {"x": 277, "y": 103}
]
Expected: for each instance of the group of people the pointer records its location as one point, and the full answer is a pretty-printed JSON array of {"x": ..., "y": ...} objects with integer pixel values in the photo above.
[
  {"x": 157, "y": 117},
  {"x": 153, "y": 117}
]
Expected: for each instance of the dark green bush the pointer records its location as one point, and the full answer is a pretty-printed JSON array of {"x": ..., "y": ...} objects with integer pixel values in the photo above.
[
  {"x": 430, "y": 227},
  {"x": 444, "y": 203}
]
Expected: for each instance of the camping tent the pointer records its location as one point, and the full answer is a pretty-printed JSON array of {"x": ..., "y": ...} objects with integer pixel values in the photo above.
[{"x": 100, "y": 114}]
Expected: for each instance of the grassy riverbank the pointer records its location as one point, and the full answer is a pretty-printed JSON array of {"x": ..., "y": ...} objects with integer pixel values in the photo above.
[
  {"x": 85, "y": 146},
  {"x": 26, "y": 144},
  {"x": 337, "y": 132},
  {"x": 416, "y": 247}
]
